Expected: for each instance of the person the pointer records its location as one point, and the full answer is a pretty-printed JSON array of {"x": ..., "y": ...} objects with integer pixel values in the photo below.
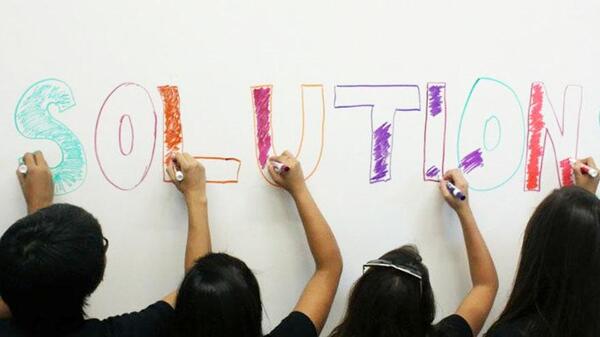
[
  {"x": 220, "y": 297},
  {"x": 394, "y": 297},
  {"x": 53, "y": 259},
  {"x": 556, "y": 291}
]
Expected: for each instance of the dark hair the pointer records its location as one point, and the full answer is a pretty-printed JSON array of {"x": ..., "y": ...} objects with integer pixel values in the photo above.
[
  {"x": 386, "y": 302},
  {"x": 557, "y": 286},
  {"x": 50, "y": 262},
  {"x": 219, "y": 297}
]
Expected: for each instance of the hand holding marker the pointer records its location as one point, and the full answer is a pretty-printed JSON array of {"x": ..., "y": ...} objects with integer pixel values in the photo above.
[
  {"x": 280, "y": 167},
  {"x": 178, "y": 174},
  {"x": 585, "y": 169},
  {"x": 456, "y": 192},
  {"x": 23, "y": 168}
]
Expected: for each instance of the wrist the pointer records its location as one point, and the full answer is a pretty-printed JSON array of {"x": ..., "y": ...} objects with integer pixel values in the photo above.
[
  {"x": 33, "y": 207},
  {"x": 193, "y": 198},
  {"x": 464, "y": 211},
  {"x": 299, "y": 191}
]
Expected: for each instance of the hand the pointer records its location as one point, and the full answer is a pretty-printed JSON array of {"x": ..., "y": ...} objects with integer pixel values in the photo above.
[
  {"x": 292, "y": 180},
  {"x": 194, "y": 181},
  {"x": 456, "y": 178},
  {"x": 585, "y": 180},
  {"x": 36, "y": 184}
]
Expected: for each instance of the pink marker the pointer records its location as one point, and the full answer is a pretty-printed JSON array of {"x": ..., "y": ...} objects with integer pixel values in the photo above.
[
  {"x": 585, "y": 169},
  {"x": 280, "y": 167}
]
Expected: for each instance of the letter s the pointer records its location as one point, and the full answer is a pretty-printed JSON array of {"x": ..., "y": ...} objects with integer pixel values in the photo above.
[{"x": 34, "y": 121}]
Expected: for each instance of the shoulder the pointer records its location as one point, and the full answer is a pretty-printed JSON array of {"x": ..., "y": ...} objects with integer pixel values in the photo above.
[
  {"x": 151, "y": 321},
  {"x": 452, "y": 326},
  {"x": 7, "y": 329},
  {"x": 295, "y": 324},
  {"x": 507, "y": 329}
]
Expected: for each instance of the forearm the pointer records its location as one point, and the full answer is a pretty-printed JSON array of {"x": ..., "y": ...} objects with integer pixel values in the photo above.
[
  {"x": 4, "y": 310},
  {"x": 481, "y": 265},
  {"x": 321, "y": 240},
  {"x": 198, "y": 239}
]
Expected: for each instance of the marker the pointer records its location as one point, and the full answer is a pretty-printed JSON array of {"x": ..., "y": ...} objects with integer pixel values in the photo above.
[
  {"x": 23, "y": 168},
  {"x": 585, "y": 169},
  {"x": 456, "y": 192},
  {"x": 178, "y": 174},
  {"x": 280, "y": 167}
]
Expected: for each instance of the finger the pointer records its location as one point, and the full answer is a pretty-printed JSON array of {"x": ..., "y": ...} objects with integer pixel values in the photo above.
[
  {"x": 179, "y": 159},
  {"x": 444, "y": 189},
  {"x": 450, "y": 175},
  {"x": 171, "y": 173},
  {"x": 578, "y": 175},
  {"x": 28, "y": 159},
  {"x": 39, "y": 159},
  {"x": 21, "y": 178},
  {"x": 277, "y": 158},
  {"x": 189, "y": 159},
  {"x": 589, "y": 161},
  {"x": 287, "y": 161},
  {"x": 274, "y": 175}
]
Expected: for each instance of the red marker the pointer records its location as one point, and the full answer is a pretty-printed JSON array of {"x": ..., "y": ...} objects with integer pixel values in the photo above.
[{"x": 585, "y": 169}]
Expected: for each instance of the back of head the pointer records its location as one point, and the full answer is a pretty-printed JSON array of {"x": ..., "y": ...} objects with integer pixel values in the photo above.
[
  {"x": 50, "y": 262},
  {"x": 386, "y": 302},
  {"x": 556, "y": 289},
  {"x": 219, "y": 297}
]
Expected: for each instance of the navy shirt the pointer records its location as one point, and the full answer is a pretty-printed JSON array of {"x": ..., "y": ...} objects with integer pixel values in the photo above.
[{"x": 153, "y": 321}]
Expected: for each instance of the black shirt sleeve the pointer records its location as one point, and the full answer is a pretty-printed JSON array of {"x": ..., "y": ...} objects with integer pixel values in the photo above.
[
  {"x": 453, "y": 326},
  {"x": 153, "y": 321},
  {"x": 506, "y": 330},
  {"x": 296, "y": 324}
]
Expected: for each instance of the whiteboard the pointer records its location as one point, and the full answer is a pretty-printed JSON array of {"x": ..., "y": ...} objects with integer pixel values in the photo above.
[{"x": 382, "y": 93}]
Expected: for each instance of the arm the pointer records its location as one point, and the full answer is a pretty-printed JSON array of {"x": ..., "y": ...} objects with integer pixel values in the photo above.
[
  {"x": 36, "y": 184},
  {"x": 193, "y": 188},
  {"x": 38, "y": 190},
  {"x": 317, "y": 297},
  {"x": 4, "y": 310},
  {"x": 585, "y": 180},
  {"x": 476, "y": 306}
]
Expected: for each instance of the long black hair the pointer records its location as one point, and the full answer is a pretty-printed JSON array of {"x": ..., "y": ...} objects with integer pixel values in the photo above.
[
  {"x": 219, "y": 297},
  {"x": 386, "y": 302},
  {"x": 557, "y": 286}
]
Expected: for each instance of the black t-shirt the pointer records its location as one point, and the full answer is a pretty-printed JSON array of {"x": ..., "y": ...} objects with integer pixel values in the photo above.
[
  {"x": 452, "y": 326},
  {"x": 510, "y": 329},
  {"x": 296, "y": 324},
  {"x": 153, "y": 321}
]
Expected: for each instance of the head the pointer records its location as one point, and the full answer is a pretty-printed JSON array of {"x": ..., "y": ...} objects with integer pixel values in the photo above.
[
  {"x": 219, "y": 297},
  {"x": 50, "y": 262},
  {"x": 556, "y": 287},
  {"x": 386, "y": 302}
]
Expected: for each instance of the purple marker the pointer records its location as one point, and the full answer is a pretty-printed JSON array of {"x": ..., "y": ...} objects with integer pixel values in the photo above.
[{"x": 456, "y": 192}]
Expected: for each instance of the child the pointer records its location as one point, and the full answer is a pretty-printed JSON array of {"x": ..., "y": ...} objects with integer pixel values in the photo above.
[
  {"x": 557, "y": 287},
  {"x": 394, "y": 298},
  {"x": 220, "y": 295},
  {"x": 52, "y": 260}
]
